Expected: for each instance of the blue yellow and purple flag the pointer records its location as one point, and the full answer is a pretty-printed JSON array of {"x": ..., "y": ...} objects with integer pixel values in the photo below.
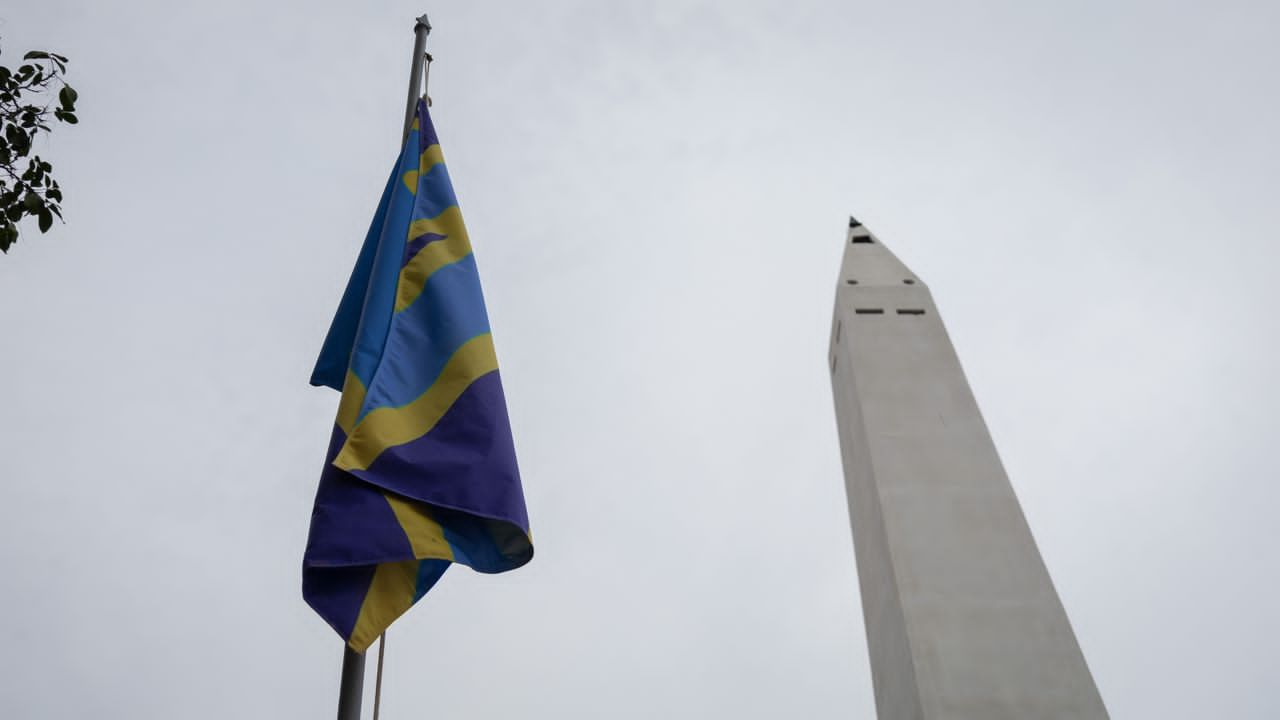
[{"x": 421, "y": 469}]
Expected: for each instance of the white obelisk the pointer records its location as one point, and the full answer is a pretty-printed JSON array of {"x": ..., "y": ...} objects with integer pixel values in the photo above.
[{"x": 962, "y": 619}]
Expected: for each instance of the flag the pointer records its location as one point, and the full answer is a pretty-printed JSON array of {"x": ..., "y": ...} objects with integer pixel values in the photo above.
[{"x": 421, "y": 470}]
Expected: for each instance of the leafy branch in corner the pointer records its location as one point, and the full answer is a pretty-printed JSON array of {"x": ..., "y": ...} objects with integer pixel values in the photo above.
[{"x": 27, "y": 187}]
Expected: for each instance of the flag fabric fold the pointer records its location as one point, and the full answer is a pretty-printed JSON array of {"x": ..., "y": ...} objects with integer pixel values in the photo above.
[{"x": 421, "y": 470}]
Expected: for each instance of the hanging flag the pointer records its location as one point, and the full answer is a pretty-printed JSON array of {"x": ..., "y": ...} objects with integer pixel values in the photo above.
[{"x": 421, "y": 470}]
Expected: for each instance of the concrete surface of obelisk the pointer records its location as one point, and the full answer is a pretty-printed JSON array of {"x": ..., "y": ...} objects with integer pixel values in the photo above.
[{"x": 963, "y": 622}]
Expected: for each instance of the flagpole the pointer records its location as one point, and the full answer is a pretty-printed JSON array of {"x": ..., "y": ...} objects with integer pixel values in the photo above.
[
  {"x": 420, "y": 31},
  {"x": 352, "y": 685}
]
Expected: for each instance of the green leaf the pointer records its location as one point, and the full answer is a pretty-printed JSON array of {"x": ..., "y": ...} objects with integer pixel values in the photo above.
[
  {"x": 5, "y": 74},
  {"x": 69, "y": 118},
  {"x": 46, "y": 220},
  {"x": 8, "y": 236},
  {"x": 36, "y": 55},
  {"x": 32, "y": 202},
  {"x": 67, "y": 96}
]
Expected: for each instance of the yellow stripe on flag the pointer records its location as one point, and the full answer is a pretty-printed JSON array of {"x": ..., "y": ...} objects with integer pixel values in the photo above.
[
  {"x": 424, "y": 533},
  {"x": 353, "y": 392},
  {"x": 430, "y": 158},
  {"x": 422, "y": 266},
  {"x": 390, "y": 594},
  {"x": 387, "y": 427}
]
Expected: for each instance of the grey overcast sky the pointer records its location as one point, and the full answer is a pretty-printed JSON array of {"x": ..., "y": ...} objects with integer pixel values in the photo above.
[{"x": 657, "y": 192}]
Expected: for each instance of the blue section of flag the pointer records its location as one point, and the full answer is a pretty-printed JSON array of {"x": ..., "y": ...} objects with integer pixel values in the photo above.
[{"x": 360, "y": 327}]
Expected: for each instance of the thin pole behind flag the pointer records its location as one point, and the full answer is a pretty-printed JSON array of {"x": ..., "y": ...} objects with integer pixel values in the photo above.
[{"x": 352, "y": 686}]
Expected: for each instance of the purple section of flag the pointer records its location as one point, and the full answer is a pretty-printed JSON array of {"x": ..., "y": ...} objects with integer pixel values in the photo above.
[
  {"x": 337, "y": 593},
  {"x": 427, "y": 130},
  {"x": 466, "y": 462},
  {"x": 351, "y": 523},
  {"x": 414, "y": 246},
  {"x": 429, "y": 573},
  {"x": 352, "y": 530}
]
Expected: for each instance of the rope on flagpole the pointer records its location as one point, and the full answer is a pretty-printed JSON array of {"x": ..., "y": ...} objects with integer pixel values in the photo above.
[
  {"x": 426, "y": 78},
  {"x": 377, "y": 682}
]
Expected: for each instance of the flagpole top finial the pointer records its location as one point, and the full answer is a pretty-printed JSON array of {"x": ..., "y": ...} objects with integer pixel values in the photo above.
[{"x": 423, "y": 22}]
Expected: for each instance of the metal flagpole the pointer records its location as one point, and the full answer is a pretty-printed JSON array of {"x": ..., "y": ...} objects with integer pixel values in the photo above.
[
  {"x": 352, "y": 686},
  {"x": 420, "y": 31}
]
